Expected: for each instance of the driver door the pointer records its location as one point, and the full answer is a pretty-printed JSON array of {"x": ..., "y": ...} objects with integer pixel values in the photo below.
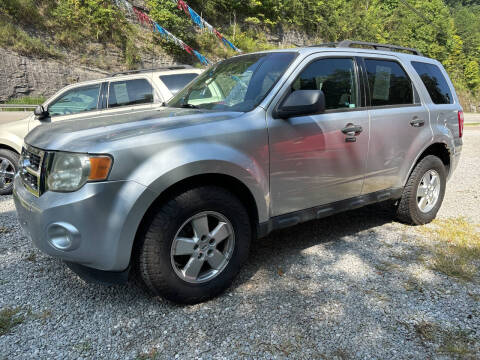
[{"x": 312, "y": 160}]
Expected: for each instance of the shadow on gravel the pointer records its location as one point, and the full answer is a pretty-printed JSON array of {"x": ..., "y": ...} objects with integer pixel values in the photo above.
[{"x": 293, "y": 299}]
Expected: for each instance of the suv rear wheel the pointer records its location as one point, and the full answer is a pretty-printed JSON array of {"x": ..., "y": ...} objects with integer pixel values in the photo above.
[
  {"x": 423, "y": 194},
  {"x": 8, "y": 168},
  {"x": 194, "y": 246}
]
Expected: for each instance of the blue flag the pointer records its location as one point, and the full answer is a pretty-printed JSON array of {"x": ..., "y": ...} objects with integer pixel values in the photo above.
[{"x": 195, "y": 17}]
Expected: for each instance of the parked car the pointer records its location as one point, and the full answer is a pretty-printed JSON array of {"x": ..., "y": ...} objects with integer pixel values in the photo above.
[
  {"x": 136, "y": 90},
  {"x": 175, "y": 196}
]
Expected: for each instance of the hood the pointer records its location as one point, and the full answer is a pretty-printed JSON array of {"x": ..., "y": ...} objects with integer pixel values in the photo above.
[{"x": 85, "y": 134}]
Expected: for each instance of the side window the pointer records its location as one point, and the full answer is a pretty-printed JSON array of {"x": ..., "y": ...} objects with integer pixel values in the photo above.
[
  {"x": 129, "y": 92},
  {"x": 177, "y": 82},
  {"x": 435, "y": 82},
  {"x": 76, "y": 100},
  {"x": 388, "y": 83},
  {"x": 335, "y": 77}
]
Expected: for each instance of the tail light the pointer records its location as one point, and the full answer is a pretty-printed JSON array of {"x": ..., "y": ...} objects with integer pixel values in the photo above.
[{"x": 460, "y": 123}]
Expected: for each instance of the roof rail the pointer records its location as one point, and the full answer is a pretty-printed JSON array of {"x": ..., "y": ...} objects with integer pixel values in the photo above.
[
  {"x": 173, "y": 67},
  {"x": 376, "y": 46}
]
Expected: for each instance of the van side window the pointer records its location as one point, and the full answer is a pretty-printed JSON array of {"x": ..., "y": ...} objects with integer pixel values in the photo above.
[
  {"x": 388, "y": 83},
  {"x": 434, "y": 81},
  {"x": 177, "y": 82},
  {"x": 335, "y": 77},
  {"x": 129, "y": 92},
  {"x": 82, "y": 98}
]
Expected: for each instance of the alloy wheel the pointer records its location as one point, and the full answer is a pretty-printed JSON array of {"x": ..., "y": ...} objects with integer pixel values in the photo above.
[
  {"x": 7, "y": 172},
  {"x": 428, "y": 191},
  {"x": 202, "y": 247}
]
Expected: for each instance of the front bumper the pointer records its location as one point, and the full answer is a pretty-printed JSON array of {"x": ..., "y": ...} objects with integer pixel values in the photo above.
[{"x": 94, "y": 226}]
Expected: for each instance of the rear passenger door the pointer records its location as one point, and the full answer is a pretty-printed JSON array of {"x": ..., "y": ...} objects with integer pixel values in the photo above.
[
  {"x": 129, "y": 95},
  {"x": 399, "y": 123}
]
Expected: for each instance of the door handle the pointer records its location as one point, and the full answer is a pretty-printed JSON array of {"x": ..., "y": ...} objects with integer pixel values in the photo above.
[
  {"x": 352, "y": 130},
  {"x": 416, "y": 122}
]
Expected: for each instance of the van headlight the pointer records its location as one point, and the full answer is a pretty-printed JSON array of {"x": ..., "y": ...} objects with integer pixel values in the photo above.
[{"x": 69, "y": 171}]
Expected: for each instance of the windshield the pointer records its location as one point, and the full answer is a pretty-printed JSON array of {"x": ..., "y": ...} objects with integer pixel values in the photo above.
[{"x": 237, "y": 84}]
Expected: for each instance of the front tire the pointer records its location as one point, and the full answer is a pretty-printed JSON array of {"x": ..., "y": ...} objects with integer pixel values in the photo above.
[
  {"x": 8, "y": 168},
  {"x": 194, "y": 245},
  {"x": 423, "y": 194}
]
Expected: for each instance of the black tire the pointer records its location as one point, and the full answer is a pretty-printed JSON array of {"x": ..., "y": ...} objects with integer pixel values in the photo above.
[
  {"x": 408, "y": 210},
  {"x": 152, "y": 259},
  {"x": 12, "y": 158}
]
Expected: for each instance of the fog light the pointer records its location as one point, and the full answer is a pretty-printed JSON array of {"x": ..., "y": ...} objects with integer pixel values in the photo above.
[{"x": 63, "y": 236}]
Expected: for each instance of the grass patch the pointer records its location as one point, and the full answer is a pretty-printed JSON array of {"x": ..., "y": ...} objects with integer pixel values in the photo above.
[
  {"x": 27, "y": 100},
  {"x": 151, "y": 355},
  {"x": 83, "y": 347},
  {"x": 4, "y": 230},
  {"x": 9, "y": 318},
  {"x": 457, "y": 249},
  {"x": 32, "y": 257},
  {"x": 18, "y": 40},
  {"x": 455, "y": 343}
]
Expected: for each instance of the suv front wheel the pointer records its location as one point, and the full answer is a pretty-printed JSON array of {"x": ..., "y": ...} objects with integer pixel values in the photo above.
[
  {"x": 423, "y": 193},
  {"x": 8, "y": 168},
  {"x": 194, "y": 245}
]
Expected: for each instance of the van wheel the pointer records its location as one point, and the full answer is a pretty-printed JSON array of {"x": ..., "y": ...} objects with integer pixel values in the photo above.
[
  {"x": 8, "y": 168},
  {"x": 423, "y": 194},
  {"x": 194, "y": 245}
]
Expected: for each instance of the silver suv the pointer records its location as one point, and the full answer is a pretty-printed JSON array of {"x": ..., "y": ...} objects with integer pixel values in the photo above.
[
  {"x": 174, "y": 197},
  {"x": 136, "y": 90}
]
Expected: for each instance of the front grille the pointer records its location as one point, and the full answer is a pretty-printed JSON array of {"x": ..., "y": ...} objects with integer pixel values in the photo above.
[
  {"x": 35, "y": 161},
  {"x": 30, "y": 171}
]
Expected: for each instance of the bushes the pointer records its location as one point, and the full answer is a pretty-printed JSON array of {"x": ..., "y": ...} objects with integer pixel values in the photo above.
[{"x": 18, "y": 40}]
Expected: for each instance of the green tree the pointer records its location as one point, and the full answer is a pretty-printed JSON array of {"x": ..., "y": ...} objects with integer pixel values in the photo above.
[{"x": 472, "y": 75}]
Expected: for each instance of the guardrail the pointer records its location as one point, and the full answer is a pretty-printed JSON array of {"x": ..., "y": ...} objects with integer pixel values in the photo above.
[{"x": 25, "y": 107}]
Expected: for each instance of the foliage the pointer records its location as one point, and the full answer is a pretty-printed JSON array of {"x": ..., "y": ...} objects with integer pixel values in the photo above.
[
  {"x": 446, "y": 30},
  {"x": 27, "y": 100},
  {"x": 20, "y": 41},
  {"x": 36, "y": 27}
]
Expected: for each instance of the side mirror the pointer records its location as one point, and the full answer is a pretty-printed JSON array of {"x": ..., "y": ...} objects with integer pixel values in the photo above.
[
  {"x": 301, "y": 102},
  {"x": 40, "y": 112}
]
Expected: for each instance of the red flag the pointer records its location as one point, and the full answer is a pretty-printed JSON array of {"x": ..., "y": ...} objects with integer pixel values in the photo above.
[
  {"x": 182, "y": 5},
  {"x": 188, "y": 49}
]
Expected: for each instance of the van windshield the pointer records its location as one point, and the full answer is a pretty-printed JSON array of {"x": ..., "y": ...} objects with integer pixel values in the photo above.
[{"x": 236, "y": 84}]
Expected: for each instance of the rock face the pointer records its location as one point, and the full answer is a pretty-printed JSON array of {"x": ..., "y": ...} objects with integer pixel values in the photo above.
[
  {"x": 22, "y": 76},
  {"x": 26, "y": 76}
]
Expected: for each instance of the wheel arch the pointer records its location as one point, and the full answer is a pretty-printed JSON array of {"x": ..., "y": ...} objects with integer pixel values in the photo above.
[
  {"x": 7, "y": 147},
  {"x": 230, "y": 183},
  {"x": 438, "y": 149}
]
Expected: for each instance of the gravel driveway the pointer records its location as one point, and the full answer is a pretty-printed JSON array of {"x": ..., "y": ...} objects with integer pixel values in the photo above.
[{"x": 349, "y": 286}]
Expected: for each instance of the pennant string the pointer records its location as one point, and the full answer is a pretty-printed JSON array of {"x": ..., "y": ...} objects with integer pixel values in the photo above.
[
  {"x": 202, "y": 23},
  {"x": 145, "y": 20}
]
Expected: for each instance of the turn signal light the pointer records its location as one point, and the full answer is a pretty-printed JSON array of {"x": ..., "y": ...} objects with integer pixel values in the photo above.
[{"x": 99, "y": 167}]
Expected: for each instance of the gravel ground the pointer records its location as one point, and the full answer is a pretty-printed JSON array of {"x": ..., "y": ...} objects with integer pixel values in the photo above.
[{"x": 350, "y": 286}]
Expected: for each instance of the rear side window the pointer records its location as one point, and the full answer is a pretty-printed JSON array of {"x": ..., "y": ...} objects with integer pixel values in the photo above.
[
  {"x": 335, "y": 77},
  {"x": 435, "y": 82},
  {"x": 129, "y": 92},
  {"x": 388, "y": 83},
  {"x": 177, "y": 82}
]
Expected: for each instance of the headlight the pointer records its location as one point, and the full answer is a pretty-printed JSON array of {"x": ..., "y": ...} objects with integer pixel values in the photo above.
[{"x": 69, "y": 171}]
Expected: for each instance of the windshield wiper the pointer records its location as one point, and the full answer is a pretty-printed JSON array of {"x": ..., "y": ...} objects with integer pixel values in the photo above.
[{"x": 189, "y": 106}]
